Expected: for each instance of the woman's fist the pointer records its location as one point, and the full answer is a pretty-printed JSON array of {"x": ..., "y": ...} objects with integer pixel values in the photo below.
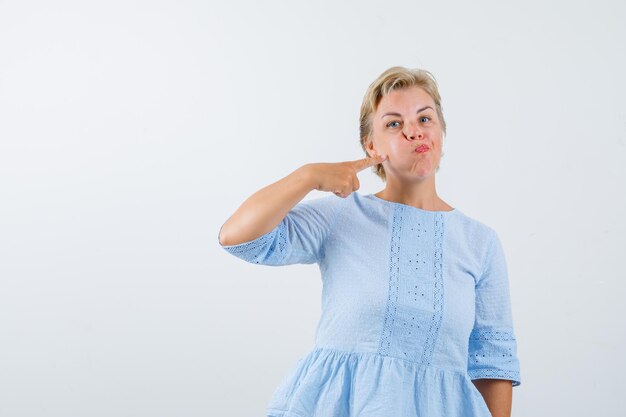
[{"x": 340, "y": 177}]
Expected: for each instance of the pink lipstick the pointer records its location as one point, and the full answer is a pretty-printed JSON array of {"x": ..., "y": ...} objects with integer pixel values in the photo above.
[{"x": 422, "y": 149}]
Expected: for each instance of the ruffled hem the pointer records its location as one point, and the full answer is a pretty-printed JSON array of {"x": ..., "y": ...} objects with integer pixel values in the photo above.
[{"x": 333, "y": 383}]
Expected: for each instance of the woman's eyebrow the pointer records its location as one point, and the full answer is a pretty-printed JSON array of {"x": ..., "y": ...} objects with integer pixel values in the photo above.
[{"x": 398, "y": 114}]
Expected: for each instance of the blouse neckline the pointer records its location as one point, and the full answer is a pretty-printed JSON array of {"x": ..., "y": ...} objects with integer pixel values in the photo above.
[{"x": 394, "y": 203}]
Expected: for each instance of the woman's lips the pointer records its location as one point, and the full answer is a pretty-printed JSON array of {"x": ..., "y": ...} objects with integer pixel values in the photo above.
[{"x": 422, "y": 149}]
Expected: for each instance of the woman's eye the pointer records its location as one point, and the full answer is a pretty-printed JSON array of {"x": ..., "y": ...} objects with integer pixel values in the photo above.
[{"x": 393, "y": 124}]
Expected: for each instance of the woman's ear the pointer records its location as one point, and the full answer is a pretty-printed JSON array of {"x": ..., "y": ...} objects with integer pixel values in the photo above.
[{"x": 370, "y": 148}]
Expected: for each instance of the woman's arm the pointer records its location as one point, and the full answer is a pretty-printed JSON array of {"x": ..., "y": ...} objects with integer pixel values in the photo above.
[
  {"x": 498, "y": 394},
  {"x": 265, "y": 209}
]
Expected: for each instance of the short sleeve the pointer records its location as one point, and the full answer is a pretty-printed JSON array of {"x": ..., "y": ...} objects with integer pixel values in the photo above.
[
  {"x": 492, "y": 343},
  {"x": 298, "y": 239}
]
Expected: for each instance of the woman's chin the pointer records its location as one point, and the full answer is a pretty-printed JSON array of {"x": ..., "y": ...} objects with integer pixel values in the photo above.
[
  {"x": 421, "y": 169},
  {"x": 416, "y": 173}
]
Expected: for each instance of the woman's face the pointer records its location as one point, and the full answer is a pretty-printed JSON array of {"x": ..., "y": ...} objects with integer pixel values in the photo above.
[{"x": 405, "y": 127}]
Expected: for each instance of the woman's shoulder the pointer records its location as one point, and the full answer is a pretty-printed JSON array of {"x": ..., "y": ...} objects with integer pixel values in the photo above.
[
  {"x": 322, "y": 206},
  {"x": 468, "y": 224}
]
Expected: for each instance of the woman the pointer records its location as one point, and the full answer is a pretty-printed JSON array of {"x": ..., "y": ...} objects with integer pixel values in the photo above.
[{"x": 416, "y": 317}]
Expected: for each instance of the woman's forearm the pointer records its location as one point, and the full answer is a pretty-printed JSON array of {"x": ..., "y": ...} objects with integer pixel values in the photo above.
[
  {"x": 266, "y": 208},
  {"x": 498, "y": 394}
]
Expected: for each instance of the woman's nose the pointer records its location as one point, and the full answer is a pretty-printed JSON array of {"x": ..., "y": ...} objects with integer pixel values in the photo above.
[{"x": 412, "y": 132}]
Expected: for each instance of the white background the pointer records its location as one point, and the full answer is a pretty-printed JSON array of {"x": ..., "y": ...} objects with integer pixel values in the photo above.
[{"x": 130, "y": 131}]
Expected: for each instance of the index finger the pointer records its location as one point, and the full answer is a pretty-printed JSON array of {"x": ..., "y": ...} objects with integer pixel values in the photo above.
[{"x": 361, "y": 164}]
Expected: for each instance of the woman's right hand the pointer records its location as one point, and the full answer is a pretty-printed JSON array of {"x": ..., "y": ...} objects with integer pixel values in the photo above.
[{"x": 340, "y": 177}]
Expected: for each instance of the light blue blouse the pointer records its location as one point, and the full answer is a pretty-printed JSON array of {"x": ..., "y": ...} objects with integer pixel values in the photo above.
[{"x": 415, "y": 305}]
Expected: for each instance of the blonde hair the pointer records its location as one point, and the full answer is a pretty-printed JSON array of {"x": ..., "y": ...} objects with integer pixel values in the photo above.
[{"x": 395, "y": 78}]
